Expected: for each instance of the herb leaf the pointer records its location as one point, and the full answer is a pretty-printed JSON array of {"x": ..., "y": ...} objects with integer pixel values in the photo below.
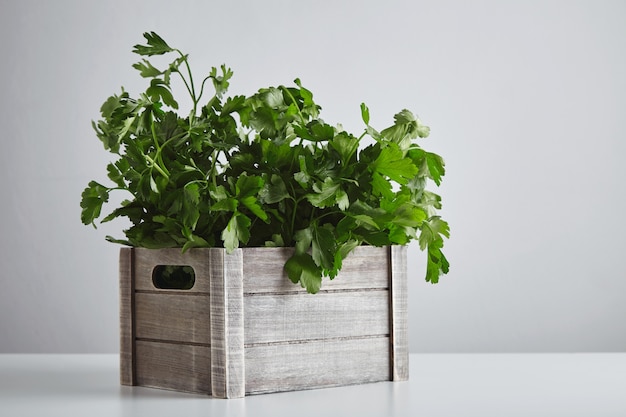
[
  {"x": 92, "y": 199},
  {"x": 262, "y": 169},
  {"x": 156, "y": 45}
]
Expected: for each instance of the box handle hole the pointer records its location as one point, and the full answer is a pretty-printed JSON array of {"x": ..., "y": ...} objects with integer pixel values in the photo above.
[{"x": 173, "y": 277}]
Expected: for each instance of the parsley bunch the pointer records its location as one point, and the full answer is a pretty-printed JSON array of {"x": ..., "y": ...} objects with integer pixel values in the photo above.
[{"x": 263, "y": 170}]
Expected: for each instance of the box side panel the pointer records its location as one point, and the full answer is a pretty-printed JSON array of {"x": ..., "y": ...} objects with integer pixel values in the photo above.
[
  {"x": 295, "y": 317},
  {"x": 351, "y": 332},
  {"x": 263, "y": 270},
  {"x": 317, "y": 364},
  {"x": 147, "y": 259},
  {"x": 174, "y": 366},
  {"x": 127, "y": 354},
  {"x": 172, "y": 317}
]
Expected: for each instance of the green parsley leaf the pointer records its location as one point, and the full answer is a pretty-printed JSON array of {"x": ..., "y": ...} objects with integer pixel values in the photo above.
[
  {"x": 301, "y": 268},
  {"x": 346, "y": 145},
  {"x": 274, "y": 191},
  {"x": 237, "y": 230},
  {"x": 207, "y": 177},
  {"x": 146, "y": 69},
  {"x": 92, "y": 199},
  {"x": 365, "y": 114},
  {"x": 159, "y": 90},
  {"x": 325, "y": 194},
  {"x": 323, "y": 247},
  {"x": 431, "y": 231},
  {"x": 394, "y": 165},
  {"x": 303, "y": 238},
  {"x": 115, "y": 175},
  {"x": 156, "y": 45}
]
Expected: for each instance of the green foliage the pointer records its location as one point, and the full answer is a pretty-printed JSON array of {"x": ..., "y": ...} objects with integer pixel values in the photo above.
[{"x": 262, "y": 170}]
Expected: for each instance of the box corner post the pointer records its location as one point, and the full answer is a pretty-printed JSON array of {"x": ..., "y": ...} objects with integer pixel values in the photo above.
[
  {"x": 227, "y": 326},
  {"x": 127, "y": 326},
  {"x": 399, "y": 313}
]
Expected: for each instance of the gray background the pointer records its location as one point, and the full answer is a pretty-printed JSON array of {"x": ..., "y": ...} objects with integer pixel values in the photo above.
[{"x": 526, "y": 101}]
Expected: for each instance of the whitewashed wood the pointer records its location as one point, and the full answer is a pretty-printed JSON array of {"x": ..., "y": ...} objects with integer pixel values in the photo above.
[
  {"x": 147, "y": 259},
  {"x": 295, "y": 316},
  {"x": 174, "y": 366},
  {"x": 296, "y": 366},
  {"x": 399, "y": 314},
  {"x": 263, "y": 270},
  {"x": 173, "y": 317},
  {"x": 264, "y": 333},
  {"x": 227, "y": 318},
  {"x": 127, "y": 354}
]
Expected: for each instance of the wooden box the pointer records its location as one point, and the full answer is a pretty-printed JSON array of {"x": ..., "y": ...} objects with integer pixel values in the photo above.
[{"x": 244, "y": 328}]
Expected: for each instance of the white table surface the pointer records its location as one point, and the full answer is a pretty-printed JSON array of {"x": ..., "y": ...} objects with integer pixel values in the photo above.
[{"x": 529, "y": 385}]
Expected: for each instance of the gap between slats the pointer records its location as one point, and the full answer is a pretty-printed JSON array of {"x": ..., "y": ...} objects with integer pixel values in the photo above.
[{"x": 277, "y": 343}]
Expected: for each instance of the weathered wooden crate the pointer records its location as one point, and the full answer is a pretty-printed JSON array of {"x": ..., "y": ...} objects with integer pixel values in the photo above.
[{"x": 244, "y": 328}]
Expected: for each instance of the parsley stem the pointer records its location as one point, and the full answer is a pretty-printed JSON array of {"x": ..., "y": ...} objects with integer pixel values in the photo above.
[
  {"x": 190, "y": 86},
  {"x": 286, "y": 90},
  {"x": 293, "y": 214},
  {"x": 212, "y": 175},
  {"x": 202, "y": 87},
  {"x": 159, "y": 160},
  {"x": 157, "y": 167}
]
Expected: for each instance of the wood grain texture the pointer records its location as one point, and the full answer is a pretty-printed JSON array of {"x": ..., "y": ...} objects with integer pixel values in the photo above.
[
  {"x": 173, "y": 317},
  {"x": 227, "y": 324},
  {"x": 295, "y": 316},
  {"x": 174, "y": 366},
  {"x": 297, "y": 366},
  {"x": 245, "y": 328},
  {"x": 399, "y": 314},
  {"x": 263, "y": 270},
  {"x": 147, "y": 259},
  {"x": 127, "y": 336}
]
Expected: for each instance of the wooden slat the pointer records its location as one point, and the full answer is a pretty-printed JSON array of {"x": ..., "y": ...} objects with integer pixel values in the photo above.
[
  {"x": 277, "y": 318},
  {"x": 174, "y": 317},
  {"x": 147, "y": 259},
  {"x": 263, "y": 270},
  {"x": 333, "y": 338},
  {"x": 288, "y": 367},
  {"x": 174, "y": 366},
  {"x": 399, "y": 314},
  {"x": 227, "y": 338},
  {"x": 127, "y": 355}
]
